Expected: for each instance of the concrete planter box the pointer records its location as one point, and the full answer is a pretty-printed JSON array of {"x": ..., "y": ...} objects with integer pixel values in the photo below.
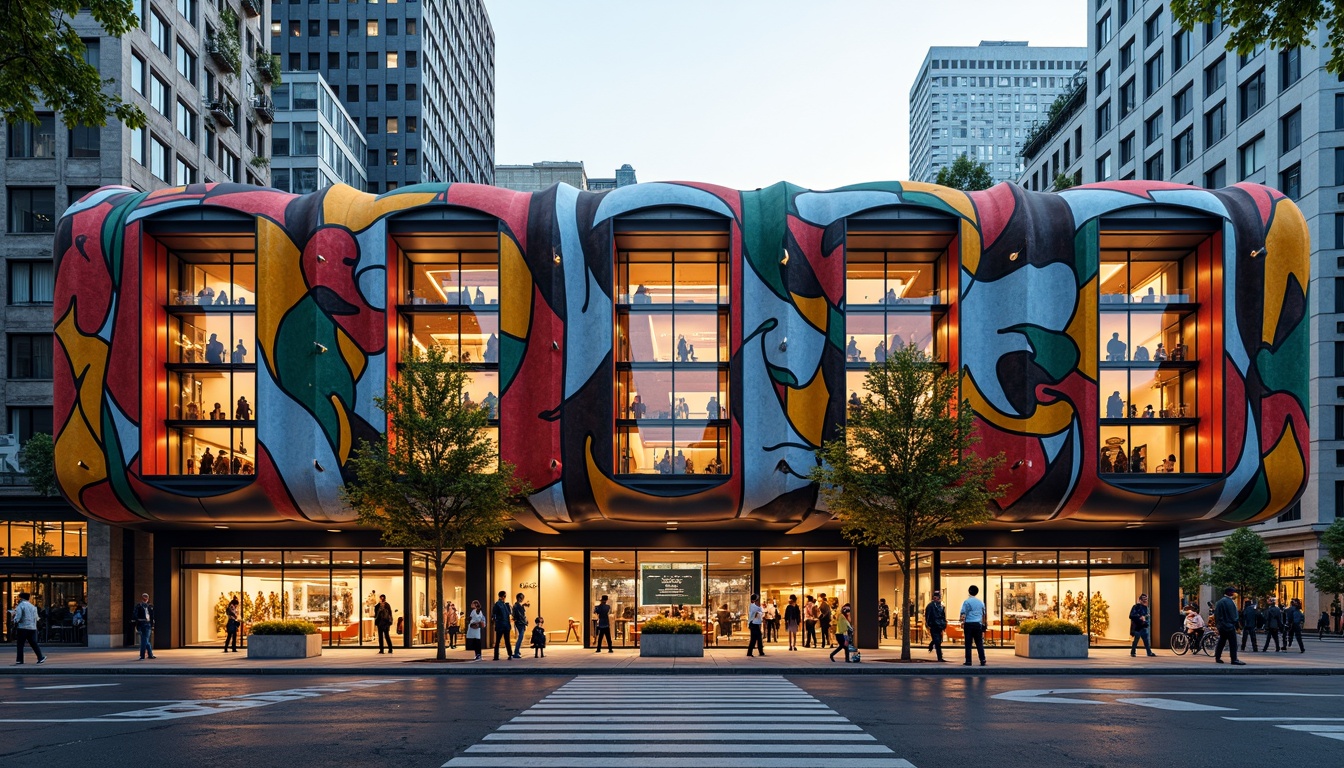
[
  {"x": 671, "y": 645},
  {"x": 284, "y": 646},
  {"x": 1051, "y": 646}
]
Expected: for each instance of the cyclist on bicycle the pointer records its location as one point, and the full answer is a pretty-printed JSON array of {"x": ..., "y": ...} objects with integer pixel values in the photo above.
[{"x": 1194, "y": 627}]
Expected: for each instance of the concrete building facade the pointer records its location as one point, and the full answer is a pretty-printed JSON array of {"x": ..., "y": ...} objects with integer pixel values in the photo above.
[
  {"x": 538, "y": 176},
  {"x": 417, "y": 77},
  {"x": 980, "y": 101},
  {"x": 315, "y": 142}
]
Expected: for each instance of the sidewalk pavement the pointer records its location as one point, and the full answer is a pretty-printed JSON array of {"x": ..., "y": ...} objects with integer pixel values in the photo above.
[{"x": 1322, "y": 658}]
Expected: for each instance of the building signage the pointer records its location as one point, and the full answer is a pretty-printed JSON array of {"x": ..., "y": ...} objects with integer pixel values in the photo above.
[{"x": 672, "y": 586}]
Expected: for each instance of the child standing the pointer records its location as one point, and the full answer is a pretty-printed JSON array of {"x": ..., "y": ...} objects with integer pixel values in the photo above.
[{"x": 539, "y": 639}]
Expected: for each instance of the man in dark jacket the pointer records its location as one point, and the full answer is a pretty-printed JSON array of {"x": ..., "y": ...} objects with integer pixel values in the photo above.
[
  {"x": 1273, "y": 623},
  {"x": 519, "y": 624},
  {"x": 1293, "y": 619},
  {"x": 1139, "y": 627},
  {"x": 1225, "y": 618},
  {"x": 935, "y": 620},
  {"x": 499, "y": 617},
  {"x": 382, "y": 620},
  {"x": 1250, "y": 617}
]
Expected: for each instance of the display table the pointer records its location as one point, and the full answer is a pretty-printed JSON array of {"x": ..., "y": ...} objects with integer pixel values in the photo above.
[{"x": 429, "y": 635}]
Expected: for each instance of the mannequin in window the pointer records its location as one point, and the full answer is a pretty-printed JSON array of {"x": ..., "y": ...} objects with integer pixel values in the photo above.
[
  {"x": 1115, "y": 349},
  {"x": 679, "y": 464},
  {"x": 683, "y": 354},
  {"x": 852, "y": 351},
  {"x": 222, "y": 462},
  {"x": 193, "y": 411},
  {"x": 855, "y": 404},
  {"x": 207, "y": 462},
  {"x": 897, "y": 344},
  {"x": 880, "y": 353},
  {"x": 664, "y": 465},
  {"x": 205, "y": 296},
  {"x": 891, "y": 297},
  {"x": 242, "y": 410},
  {"x": 222, "y": 299},
  {"x": 1161, "y": 353},
  {"x": 1148, "y": 412},
  {"x": 491, "y": 405},
  {"x": 214, "y": 350},
  {"x": 1140, "y": 354},
  {"x": 1150, "y": 297},
  {"x": 467, "y": 402},
  {"x": 1121, "y": 460},
  {"x": 239, "y": 354},
  {"x": 712, "y": 408},
  {"x": 642, "y": 296},
  {"x": 236, "y": 465},
  {"x": 492, "y": 349},
  {"x": 637, "y": 408},
  {"x": 218, "y": 414},
  {"x": 1115, "y": 406}
]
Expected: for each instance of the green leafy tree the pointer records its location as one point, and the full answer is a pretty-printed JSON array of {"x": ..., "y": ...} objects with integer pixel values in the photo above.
[
  {"x": 37, "y": 459},
  {"x": 1244, "y": 564},
  {"x": 1192, "y": 578},
  {"x": 904, "y": 474},
  {"x": 1278, "y": 24},
  {"x": 434, "y": 483},
  {"x": 1327, "y": 574},
  {"x": 965, "y": 174},
  {"x": 42, "y": 64},
  {"x": 1063, "y": 181}
]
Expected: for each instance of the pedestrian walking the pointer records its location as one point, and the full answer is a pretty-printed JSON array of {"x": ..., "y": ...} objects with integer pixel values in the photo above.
[
  {"x": 935, "y": 620},
  {"x": 771, "y": 622},
  {"x": 539, "y": 639},
  {"x": 973, "y": 624},
  {"x": 883, "y": 616},
  {"x": 1226, "y": 617},
  {"x": 382, "y": 621},
  {"x": 1250, "y": 621},
  {"x": 231, "y": 626},
  {"x": 475, "y": 626},
  {"x": 143, "y": 618},
  {"x": 1322, "y": 625},
  {"x": 1273, "y": 623},
  {"x": 519, "y": 623},
  {"x": 755, "y": 615},
  {"x": 844, "y": 633},
  {"x": 23, "y": 618},
  {"x": 451, "y": 619},
  {"x": 824, "y": 620},
  {"x": 603, "y": 613},
  {"x": 810, "y": 615},
  {"x": 793, "y": 619},
  {"x": 1293, "y": 620},
  {"x": 1139, "y": 627},
  {"x": 500, "y": 617}
]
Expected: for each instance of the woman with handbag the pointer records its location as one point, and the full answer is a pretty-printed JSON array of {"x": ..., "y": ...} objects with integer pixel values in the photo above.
[
  {"x": 231, "y": 626},
  {"x": 450, "y": 619},
  {"x": 475, "y": 623}
]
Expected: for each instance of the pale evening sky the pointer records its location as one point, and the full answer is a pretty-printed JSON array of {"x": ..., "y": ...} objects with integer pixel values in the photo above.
[{"x": 742, "y": 93}]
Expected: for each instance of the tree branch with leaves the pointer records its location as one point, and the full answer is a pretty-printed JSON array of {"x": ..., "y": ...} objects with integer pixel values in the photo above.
[
  {"x": 906, "y": 474},
  {"x": 1278, "y": 24},
  {"x": 434, "y": 482}
]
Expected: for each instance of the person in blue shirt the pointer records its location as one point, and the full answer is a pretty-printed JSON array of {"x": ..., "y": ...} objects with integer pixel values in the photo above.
[{"x": 973, "y": 620}]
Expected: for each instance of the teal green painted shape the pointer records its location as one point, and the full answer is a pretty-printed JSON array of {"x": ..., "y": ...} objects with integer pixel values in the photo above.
[
  {"x": 1055, "y": 352},
  {"x": 511, "y": 352},
  {"x": 1254, "y": 504},
  {"x": 308, "y": 377},
  {"x": 782, "y": 375},
  {"x": 1280, "y": 370},
  {"x": 116, "y": 464},
  {"x": 835, "y": 327},
  {"x": 873, "y": 186},
  {"x": 428, "y": 187},
  {"x": 764, "y": 226},
  {"x": 926, "y": 200},
  {"x": 1086, "y": 243},
  {"x": 114, "y": 244}
]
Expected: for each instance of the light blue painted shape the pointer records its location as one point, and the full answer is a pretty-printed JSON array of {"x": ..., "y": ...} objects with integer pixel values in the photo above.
[
  {"x": 373, "y": 383},
  {"x": 625, "y": 199},
  {"x": 294, "y": 440},
  {"x": 128, "y": 433},
  {"x": 97, "y": 198},
  {"x": 588, "y": 309},
  {"x": 1248, "y": 464},
  {"x": 148, "y": 208},
  {"x": 105, "y": 333},
  {"x": 549, "y": 504},
  {"x": 1053, "y": 444},
  {"x": 371, "y": 268},
  {"x": 1241, "y": 358},
  {"x": 825, "y": 208}
]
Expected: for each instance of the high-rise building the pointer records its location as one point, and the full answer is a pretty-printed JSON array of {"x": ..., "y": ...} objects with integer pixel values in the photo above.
[
  {"x": 315, "y": 142},
  {"x": 201, "y": 72},
  {"x": 539, "y": 176},
  {"x": 418, "y": 78},
  {"x": 979, "y": 101},
  {"x": 1167, "y": 104},
  {"x": 625, "y": 176}
]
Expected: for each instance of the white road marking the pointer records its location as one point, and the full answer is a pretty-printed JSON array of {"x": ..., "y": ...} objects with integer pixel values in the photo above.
[
  {"x": 1281, "y": 719},
  {"x": 1175, "y": 705},
  {"x": 700, "y": 721},
  {"x": 62, "y": 687}
]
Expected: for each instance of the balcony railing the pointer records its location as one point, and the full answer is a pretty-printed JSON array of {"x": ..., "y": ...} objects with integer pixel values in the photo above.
[
  {"x": 219, "y": 54},
  {"x": 224, "y": 111},
  {"x": 252, "y": 7},
  {"x": 264, "y": 107},
  {"x": 1060, "y": 112},
  {"x": 268, "y": 68}
]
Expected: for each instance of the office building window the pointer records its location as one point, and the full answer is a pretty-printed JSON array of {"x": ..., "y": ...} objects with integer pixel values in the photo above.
[
  {"x": 412, "y": 123},
  {"x": 1251, "y": 95},
  {"x": 1104, "y": 77},
  {"x": 184, "y": 173},
  {"x": 1105, "y": 30},
  {"x": 85, "y": 141},
  {"x": 159, "y": 95},
  {"x": 138, "y": 74},
  {"x": 393, "y": 125},
  {"x": 159, "y": 33},
  {"x": 1182, "y": 103},
  {"x": 1216, "y": 177},
  {"x": 32, "y": 210},
  {"x": 1339, "y": 111},
  {"x": 1290, "y": 181},
  {"x": 188, "y": 9},
  {"x": 1213, "y": 29},
  {"x": 1152, "y": 129},
  {"x": 1127, "y": 98},
  {"x": 1127, "y": 55},
  {"x": 412, "y": 58},
  {"x": 371, "y": 28},
  {"x": 1215, "y": 76},
  {"x": 1339, "y": 166},
  {"x": 1152, "y": 168},
  {"x": 1215, "y": 124},
  {"x": 1104, "y": 119},
  {"x": 33, "y": 139},
  {"x": 186, "y": 64},
  {"x": 30, "y": 356},
  {"x": 1104, "y": 167},
  {"x": 186, "y": 122},
  {"x": 1153, "y": 75},
  {"x": 1152, "y": 29},
  {"x": 1290, "y": 130},
  {"x": 24, "y": 422},
  {"x": 371, "y": 60},
  {"x": 1180, "y": 49},
  {"x": 1182, "y": 149},
  {"x": 1251, "y": 157},
  {"x": 1290, "y": 67},
  {"x": 392, "y": 59},
  {"x": 158, "y": 159},
  {"x": 31, "y": 282}
]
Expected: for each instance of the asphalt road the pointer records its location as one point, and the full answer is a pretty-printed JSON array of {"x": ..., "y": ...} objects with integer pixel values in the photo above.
[{"x": 640, "y": 720}]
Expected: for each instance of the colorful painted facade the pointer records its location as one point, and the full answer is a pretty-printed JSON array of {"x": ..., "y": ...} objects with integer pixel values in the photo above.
[{"x": 1020, "y": 291}]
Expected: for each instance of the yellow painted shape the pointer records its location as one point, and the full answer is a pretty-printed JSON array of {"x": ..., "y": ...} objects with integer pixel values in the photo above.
[
  {"x": 81, "y": 437},
  {"x": 1284, "y": 471},
  {"x": 350, "y": 352},
  {"x": 343, "y": 420},
  {"x": 601, "y": 485},
  {"x": 515, "y": 286},
  {"x": 1048, "y": 419},
  {"x": 1083, "y": 329},
  {"x": 970, "y": 247},
  {"x": 814, "y": 309},
  {"x": 806, "y": 408},
  {"x": 960, "y": 201},
  {"x": 356, "y": 210},
  {"x": 279, "y": 269},
  {"x": 1287, "y": 252}
]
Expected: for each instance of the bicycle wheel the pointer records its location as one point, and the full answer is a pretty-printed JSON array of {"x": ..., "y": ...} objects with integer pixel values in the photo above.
[
  {"x": 1209, "y": 643},
  {"x": 1180, "y": 643}
]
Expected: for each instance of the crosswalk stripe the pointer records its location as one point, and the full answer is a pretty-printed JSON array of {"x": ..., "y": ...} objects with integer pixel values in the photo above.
[{"x": 580, "y": 724}]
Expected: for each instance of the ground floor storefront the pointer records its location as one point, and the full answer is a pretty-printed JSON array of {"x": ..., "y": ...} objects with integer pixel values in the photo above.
[{"x": 335, "y": 579}]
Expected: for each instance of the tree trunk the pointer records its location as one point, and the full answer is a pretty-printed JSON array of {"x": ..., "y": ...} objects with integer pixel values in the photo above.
[
  {"x": 905, "y": 600},
  {"x": 439, "y": 564}
]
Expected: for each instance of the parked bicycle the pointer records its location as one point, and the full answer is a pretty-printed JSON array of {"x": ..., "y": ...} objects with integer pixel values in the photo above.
[{"x": 1181, "y": 643}]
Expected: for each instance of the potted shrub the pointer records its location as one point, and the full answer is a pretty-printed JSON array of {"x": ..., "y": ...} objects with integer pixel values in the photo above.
[
  {"x": 283, "y": 639},
  {"x": 1050, "y": 639},
  {"x": 662, "y": 637}
]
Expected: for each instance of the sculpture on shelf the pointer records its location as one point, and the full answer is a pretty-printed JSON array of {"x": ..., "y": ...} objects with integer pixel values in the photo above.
[
  {"x": 218, "y": 414},
  {"x": 222, "y": 462},
  {"x": 492, "y": 349},
  {"x": 1115, "y": 406},
  {"x": 207, "y": 462},
  {"x": 242, "y": 411},
  {"x": 214, "y": 350},
  {"x": 852, "y": 351},
  {"x": 880, "y": 353},
  {"x": 642, "y": 296},
  {"x": 222, "y": 299},
  {"x": 239, "y": 354},
  {"x": 480, "y": 296},
  {"x": 193, "y": 412},
  {"x": 1161, "y": 354},
  {"x": 205, "y": 296},
  {"x": 1116, "y": 349},
  {"x": 491, "y": 405},
  {"x": 1148, "y": 411},
  {"x": 712, "y": 408},
  {"x": 1141, "y": 353}
]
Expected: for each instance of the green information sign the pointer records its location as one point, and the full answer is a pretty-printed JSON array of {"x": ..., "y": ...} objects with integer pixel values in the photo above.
[{"x": 672, "y": 586}]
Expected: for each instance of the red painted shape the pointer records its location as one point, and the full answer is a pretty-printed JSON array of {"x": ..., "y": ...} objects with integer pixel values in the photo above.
[
  {"x": 1082, "y": 393},
  {"x": 85, "y": 273},
  {"x": 993, "y": 208},
  {"x": 504, "y": 204},
  {"x": 830, "y": 272},
  {"x": 367, "y": 326},
  {"x": 1140, "y": 188},
  {"x": 730, "y": 197},
  {"x": 270, "y": 203},
  {"x": 1264, "y": 199},
  {"x": 268, "y": 480},
  {"x": 1024, "y": 447},
  {"x": 134, "y": 313},
  {"x": 528, "y": 441},
  {"x": 1234, "y": 431},
  {"x": 1276, "y": 411},
  {"x": 101, "y": 503}
]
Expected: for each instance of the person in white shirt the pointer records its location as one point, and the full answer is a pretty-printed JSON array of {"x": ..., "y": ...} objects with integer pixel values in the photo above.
[
  {"x": 475, "y": 623},
  {"x": 771, "y": 622},
  {"x": 973, "y": 625},
  {"x": 755, "y": 615},
  {"x": 23, "y": 617}
]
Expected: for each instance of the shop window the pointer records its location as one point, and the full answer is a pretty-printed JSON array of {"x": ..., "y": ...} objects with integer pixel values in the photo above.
[{"x": 611, "y": 574}]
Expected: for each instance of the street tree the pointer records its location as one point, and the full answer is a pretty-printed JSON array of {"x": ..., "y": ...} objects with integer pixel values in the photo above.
[
  {"x": 1192, "y": 578},
  {"x": 37, "y": 459},
  {"x": 434, "y": 481},
  {"x": 1277, "y": 24},
  {"x": 1327, "y": 575},
  {"x": 904, "y": 474},
  {"x": 965, "y": 174},
  {"x": 1062, "y": 182},
  {"x": 1244, "y": 564},
  {"x": 43, "y": 63}
]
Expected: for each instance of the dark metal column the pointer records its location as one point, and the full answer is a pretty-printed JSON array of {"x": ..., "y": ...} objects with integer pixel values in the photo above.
[
  {"x": 865, "y": 597},
  {"x": 1165, "y": 599},
  {"x": 588, "y": 597},
  {"x": 477, "y": 580},
  {"x": 410, "y": 620}
]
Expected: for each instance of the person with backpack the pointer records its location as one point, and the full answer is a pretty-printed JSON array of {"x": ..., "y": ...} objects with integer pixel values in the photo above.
[
  {"x": 500, "y": 617},
  {"x": 475, "y": 626},
  {"x": 883, "y": 616},
  {"x": 519, "y": 624},
  {"x": 1139, "y": 628},
  {"x": 1322, "y": 625}
]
